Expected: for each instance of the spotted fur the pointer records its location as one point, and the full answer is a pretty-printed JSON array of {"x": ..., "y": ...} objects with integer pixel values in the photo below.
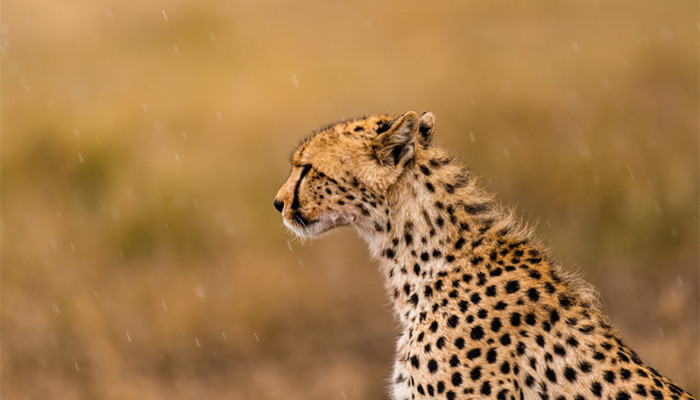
[{"x": 485, "y": 312}]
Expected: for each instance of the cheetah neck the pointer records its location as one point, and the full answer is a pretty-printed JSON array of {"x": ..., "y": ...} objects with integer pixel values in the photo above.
[{"x": 437, "y": 221}]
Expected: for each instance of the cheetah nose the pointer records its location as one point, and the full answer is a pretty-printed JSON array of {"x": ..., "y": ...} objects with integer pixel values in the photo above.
[{"x": 279, "y": 205}]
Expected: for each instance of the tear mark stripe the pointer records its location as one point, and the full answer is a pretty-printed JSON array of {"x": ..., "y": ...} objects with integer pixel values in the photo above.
[{"x": 304, "y": 171}]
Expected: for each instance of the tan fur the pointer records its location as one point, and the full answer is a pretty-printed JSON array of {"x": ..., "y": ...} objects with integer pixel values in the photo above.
[{"x": 485, "y": 312}]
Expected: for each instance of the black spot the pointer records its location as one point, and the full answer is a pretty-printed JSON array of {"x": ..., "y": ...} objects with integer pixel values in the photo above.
[
  {"x": 657, "y": 395},
  {"x": 431, "y": 391},
  {"x": 559, "y": 350},
  {"x": 414, "y": 362},
  {"x": 459, "y": 243},
  {"x": 496, "y": 324},
  {"x": 477, "y": 333},
  {"x": 463, "y": 305},
  {"x": 515, "y": 319},
  {"x": 505, "y": 339},
  {"x": 428, "y": 291},
  {"x": 457, "y": 380},
  {"x": 473, "y": 353},
  {"x": 389, "y": 253},
  {"x": 486, "y": 388},
  {"x": 440, "y": 342},
  {"x": 609, "y": 376},
  {"x": 440, "y": 387},
  {"x": 529, "y": 380},
  {"x": 449, "y": 258},
  {"x": 430, "y": 187},
  {"x": 569, "y": 374},
  {"x": 475, "y": 298},
  {"x": 565, "y": 301},
  {"x": 622, "y": 395},
  {"x": 424, "y": 256},
  {"x": 491, "y": 356},
  {"x": 625, "y": 374},
  {"x": 477, "y": 208},
  {"x": 550, "y": 375},
  {"x": 433, "y": 326},
  {"x": 459, "y": 343},
  {"x": 500, "y": 306},
  {"x": 454, "y": 361},
  {"x": 425, "y": 170},
  {"x": 432, "y": 366},
  {"x": 533, "y": 294},
  {"x": 584, "y": 366},
  {"x": 490, "y": 291},
  {"x": 475, "y": 373},
  {"x": 530, "y": 319},
  {"x": 597, "y": 389},
  {"x": 496, "y": 272},
  {"x": 512, "y": 286},
  {"x": 640, "y": 390},
  {"x": 413, "y": 299},
  {"x": 540, "y": 340},
  {"x": 450, "y": 395},
  {"x": 553, "y": 316},
  {"x": 452, "y": 321}
]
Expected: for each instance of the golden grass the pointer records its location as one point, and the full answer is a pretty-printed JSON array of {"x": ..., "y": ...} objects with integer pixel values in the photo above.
[{"x": 141, "y": 255}]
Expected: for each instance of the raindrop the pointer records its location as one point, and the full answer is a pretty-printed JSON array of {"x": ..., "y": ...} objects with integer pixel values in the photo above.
[
  {"x": 199, "y": 290},
  {"x": 344, "y": 396},
  {"x": 506, "y": 152},
  {"x": 72, "y": 247},
  {"x": 301, "y": 263},
  {"x": 471, "y": 137},
  {"x": 177, "y": 158},
  {"x": 94, "y": 292},
  {"x": 80, "y": 158},
  {"x": 256, "y": 337},
  {"x": 128, "y": 337},
  {"x": 629, "y": 169},
  {"x": 196, "y": 341},
  {"x": 76, "y": 132},
  {"x": 76, "y": 366},
  {"x": 212, "y": 36},
  {"x": 184, "y": 135},
  {"x": 165, "y": 16},
  {"x": 145, "y": 107},
  {"x": 218, "y": 115},
  {"x": 109, "y": 14},
  {"x": 27, "y": 89},
  {"x": 295, "y": 81},
  {"x": 53, "y": 244},
  {"x": 289, "y": 245},
  {"x": 166, "y": 226},
  {"x": 165, "y": 306},
  {"x": 55, "y": 308},
  {"x": 223, "y": 335},
  {"x": 176, "y": 50},
  {"x": 576, "y": 48},
  {"x": 657, "y": 209}
]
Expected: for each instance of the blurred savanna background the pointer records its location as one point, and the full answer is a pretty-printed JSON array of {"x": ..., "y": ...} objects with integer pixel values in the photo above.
[{"x": 143, "y": 143}]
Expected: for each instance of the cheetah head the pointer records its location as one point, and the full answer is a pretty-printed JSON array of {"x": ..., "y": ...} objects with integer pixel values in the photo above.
[{"x": 341, "y": 175}]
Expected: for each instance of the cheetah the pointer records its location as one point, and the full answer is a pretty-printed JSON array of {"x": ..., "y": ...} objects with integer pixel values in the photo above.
[{"x": 484, "y": 310}]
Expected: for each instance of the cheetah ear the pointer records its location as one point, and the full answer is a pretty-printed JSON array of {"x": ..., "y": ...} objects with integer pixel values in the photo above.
[
  {"x": 398, "y": 144},
  {"x": 427, "y": 127}
]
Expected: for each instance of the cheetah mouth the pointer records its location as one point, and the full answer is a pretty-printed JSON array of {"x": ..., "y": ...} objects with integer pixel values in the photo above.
[{"x": 326, "y": 221}]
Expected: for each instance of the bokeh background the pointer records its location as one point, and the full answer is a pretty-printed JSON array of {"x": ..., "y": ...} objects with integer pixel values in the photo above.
[{"x": 143, "y": 143}]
